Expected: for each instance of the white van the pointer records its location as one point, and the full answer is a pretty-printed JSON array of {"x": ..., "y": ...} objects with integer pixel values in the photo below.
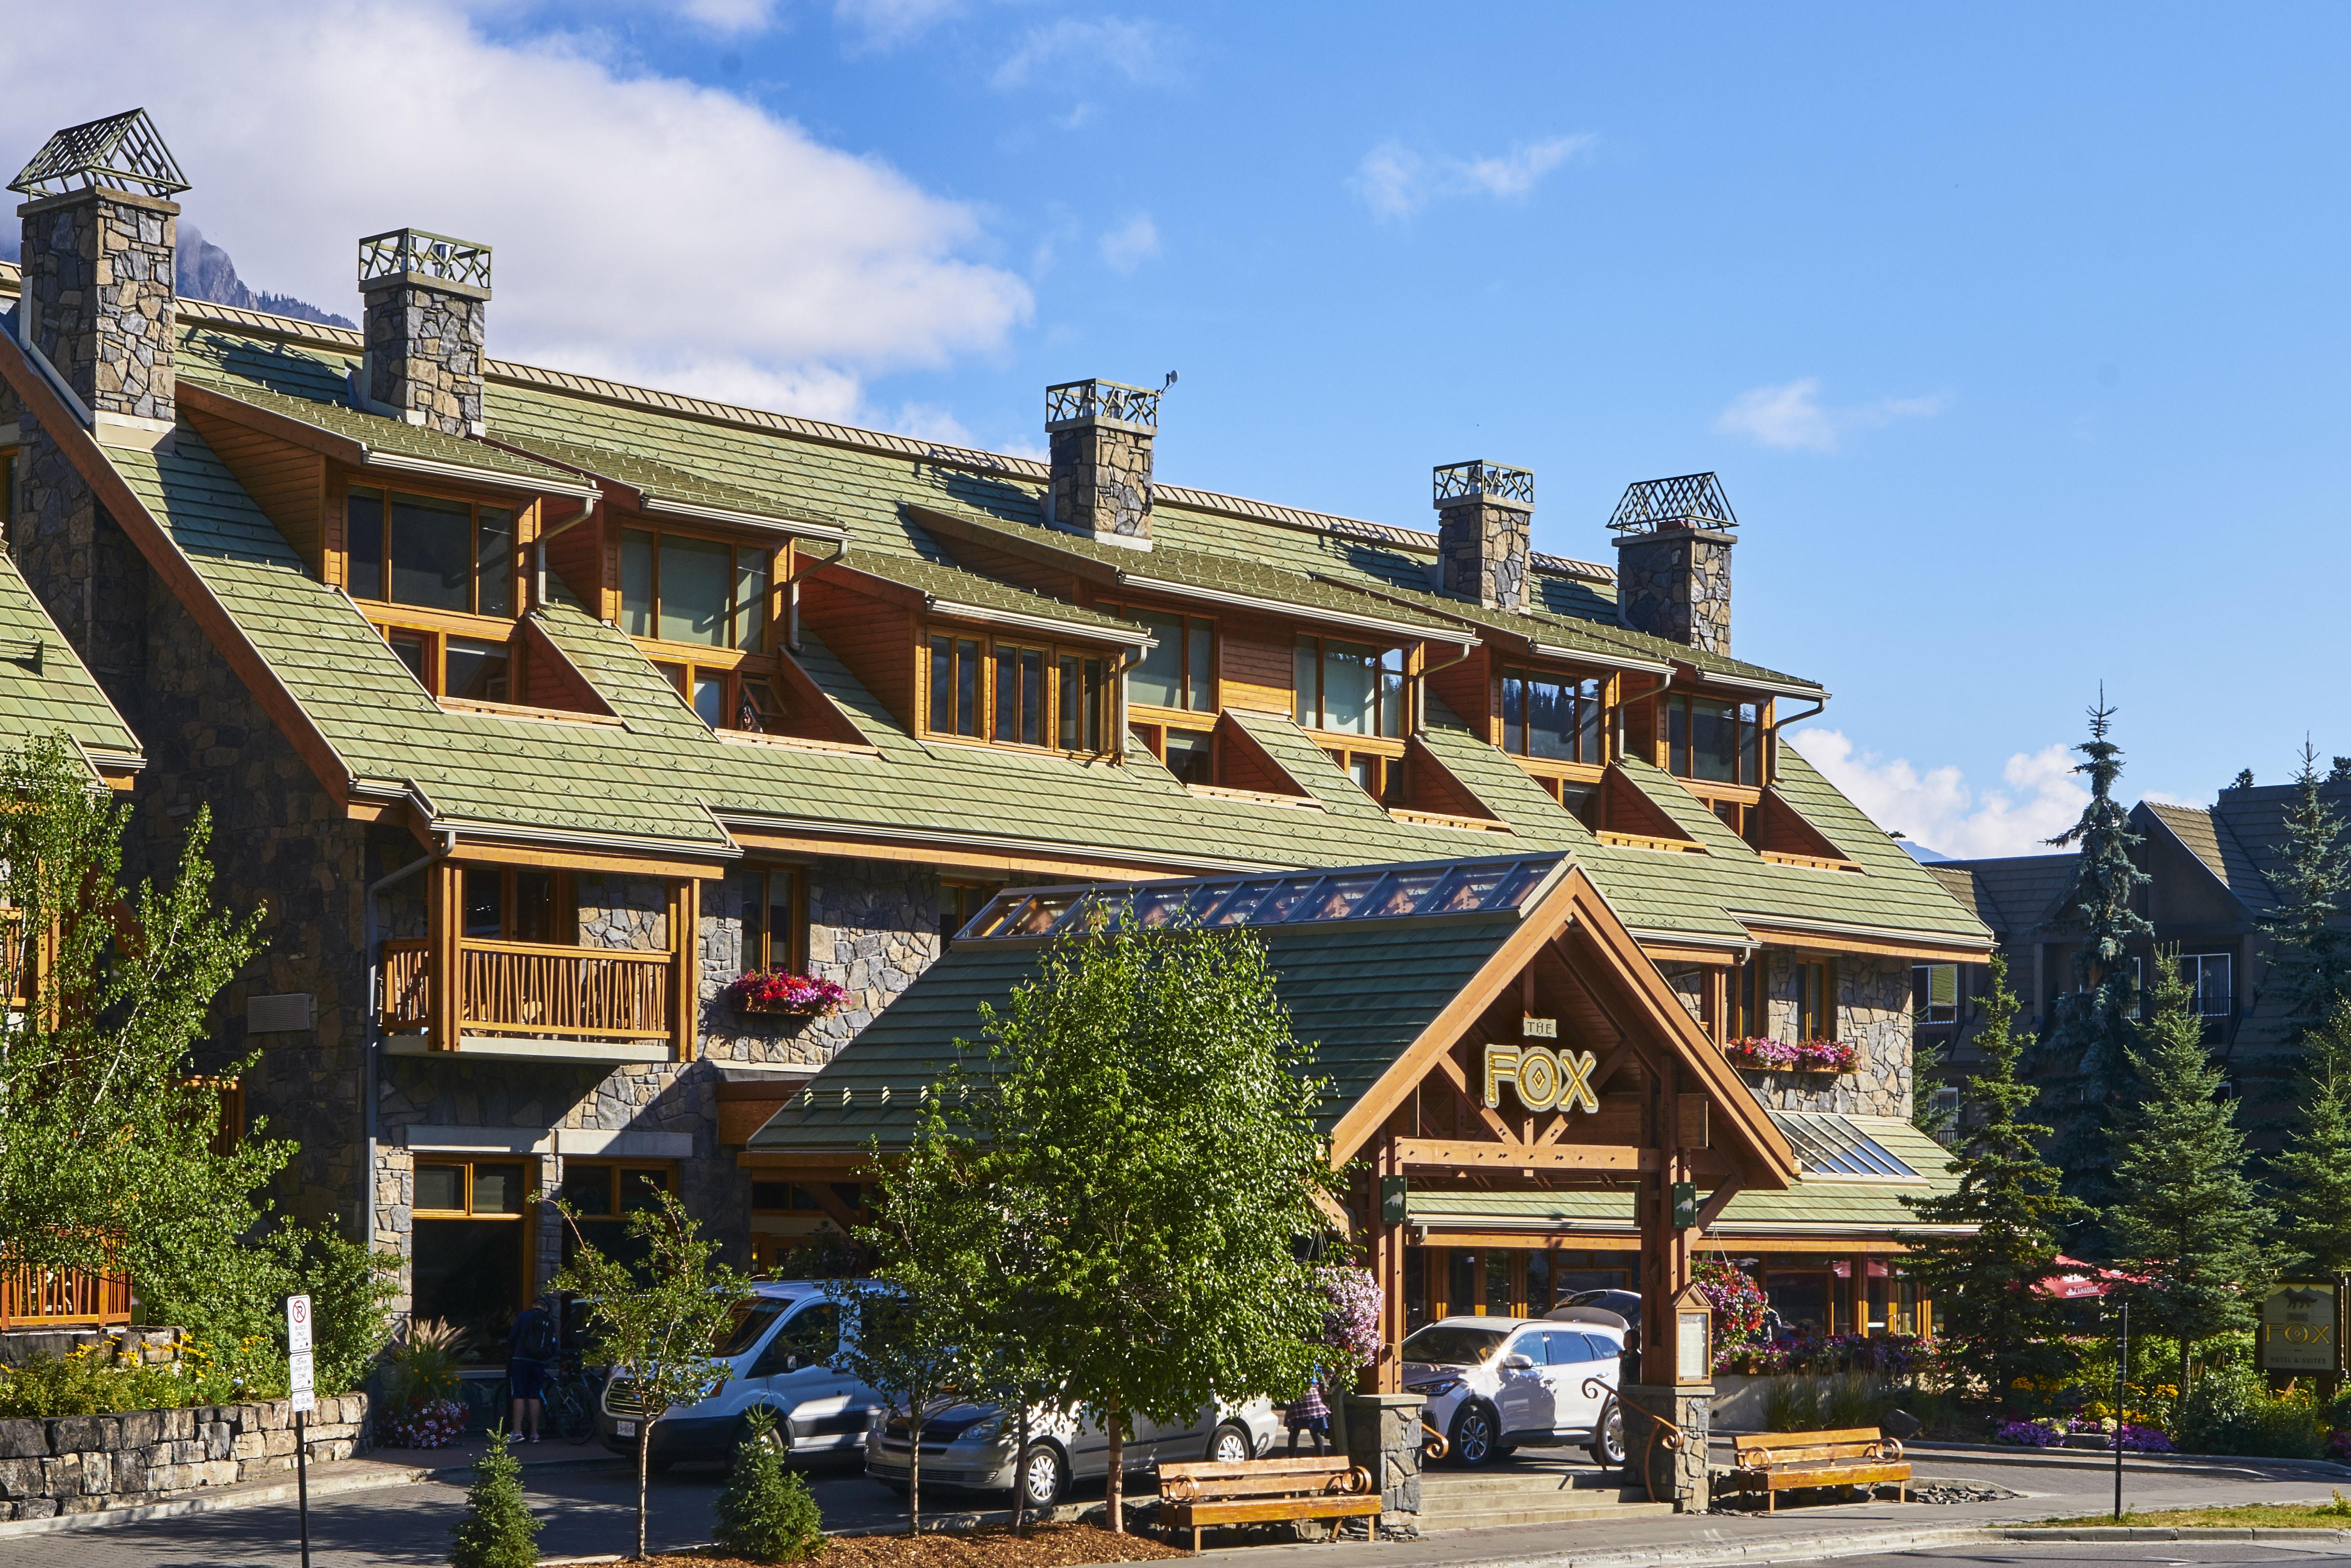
[{"x": 779, "y": 1351}]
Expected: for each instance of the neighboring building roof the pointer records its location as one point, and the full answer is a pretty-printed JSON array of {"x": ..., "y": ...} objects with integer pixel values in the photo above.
[
  {"x": 44, "y": 688},
  {"x": 2027, "y": 891}
]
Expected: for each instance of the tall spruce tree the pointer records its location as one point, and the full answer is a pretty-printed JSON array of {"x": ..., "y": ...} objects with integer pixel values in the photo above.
[
  {"x": 2309, "y": 949},
  {"x": 2002, "y": 1327},
  {"x": 2086, "y": 1056},
  {"x": 2310, "y": 1183},
  {"x": 2186, "y": 1226}
]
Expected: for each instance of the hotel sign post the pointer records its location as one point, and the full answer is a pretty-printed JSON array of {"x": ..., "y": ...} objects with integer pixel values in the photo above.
[{"x": 2301, "y": 1330}]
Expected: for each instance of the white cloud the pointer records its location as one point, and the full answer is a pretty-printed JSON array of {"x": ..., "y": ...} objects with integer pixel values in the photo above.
[
  {"x": 644, "y": 228},
  {"x": 1145, "y": 53},
  {"x": 1791, "y": 418},
  {"x": 2040, "y": 797},
  {"x": 1395, "y": 181},
  {"x": 730, "y": 15},
  {"x": 1131, "y": 244},
  {"x": 883, "y": 23}
]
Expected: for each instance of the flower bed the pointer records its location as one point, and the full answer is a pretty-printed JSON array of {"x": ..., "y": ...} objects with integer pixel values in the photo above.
[
  {"x": 422, "y": 1424},
  {"x": 786, "y": 994},
  {"x": 2052, "y": 1432},
  {"x": 1802, "y": 1056},
  {"x": 1894, "y": 1354}
]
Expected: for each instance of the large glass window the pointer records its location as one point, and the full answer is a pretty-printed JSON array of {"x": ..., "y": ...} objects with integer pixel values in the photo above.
[
  {"x": 1016, "y": 694},
  {"x": 1716, "y": 741},
  {"x": 774, "y": 935},
  {"x": 1021, "y": 696},
  {"x": 1348, "y": 688},
  {"x": 520, "y": 906},
  {"x": 430, "y": 551},
  {"x": 2210, "y": 981},
  {"x": 470, "y": 1267},
  {"x": 1816, "y": 999},
  {"x": 955, "y": 686},
  {"x": 681, "y": 588},
  {"x": 450, "y": 666},
  {"x": 1555, "y": 717},
  {"x": 1084, "y": 702},
  {"x": 1934, "y": 993},
  {"x": 602, "y": 1197},
  {"x": 1178, "y": 670}
]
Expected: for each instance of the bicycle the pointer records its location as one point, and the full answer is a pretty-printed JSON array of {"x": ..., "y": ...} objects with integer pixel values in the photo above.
[{"x": 569, "y": 1397}]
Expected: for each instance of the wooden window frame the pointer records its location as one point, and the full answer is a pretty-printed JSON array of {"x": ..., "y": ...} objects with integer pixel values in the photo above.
[
  {"x": 731, "y": 673},
  {"x": 1822, "y": 971},
  {"x": 669, "y": 651},
  {"x": 434, "y": 628},
  {"x": 1923, "y": 985},
  {"x": 1673, "y": 702},
  {"x": 1190, "y": 713},
  {"x": 1301, "y": 712},
  {"x": 971, "y": 896},
  {"x": 796, "y": 944},
  {"x": 1386, "y": 757},
  {"x": 1154, "y": 732},
  {"x": 1055, "y": 655},
  {"x": 1604, "y": 729},
  {"x": 563, "y": 900},
  {"x": 469, "y": 1162},
  {"x": 1749, "y": 1003},
  {"x": 524, "y": 511},
  {"x": 613, "y": 1168}
]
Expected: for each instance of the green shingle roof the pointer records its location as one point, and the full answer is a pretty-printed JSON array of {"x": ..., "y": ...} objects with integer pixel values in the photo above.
[
  {"x": 656, "y": 480},
  {"x": 44, "y": 688},
  {"x": 950, "y": 585}
]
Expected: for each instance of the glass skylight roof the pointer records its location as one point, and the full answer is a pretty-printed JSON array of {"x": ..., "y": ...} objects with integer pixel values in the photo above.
[
  {"x": 1291, "y": 899},
  {"x": 1830, "y": 1145}
]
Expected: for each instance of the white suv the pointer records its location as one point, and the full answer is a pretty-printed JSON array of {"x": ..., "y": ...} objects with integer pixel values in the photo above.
[{"x": 1494, "y": 1383}]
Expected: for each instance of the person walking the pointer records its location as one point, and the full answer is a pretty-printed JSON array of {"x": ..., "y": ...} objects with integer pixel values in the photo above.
[
  {"x": 1310, "y": 1413},
  {"x": 531, "y": 1356}
]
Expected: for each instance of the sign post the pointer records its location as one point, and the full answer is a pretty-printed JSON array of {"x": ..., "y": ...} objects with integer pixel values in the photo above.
[
  {"x": 301, "y": 1382},
  {"x": 2302, "y": 1330},
  {"x": 2122, "y": 1391}
]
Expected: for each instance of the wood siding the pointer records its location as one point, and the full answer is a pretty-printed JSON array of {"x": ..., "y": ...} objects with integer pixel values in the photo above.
[
  {"x": 1467, "y": 687},
  {"x": 875, "y": 640},
  {"x": 288, "y": 482},
  {"x": 1255, "y": 663},
  {"x": 587, "y": 559}
]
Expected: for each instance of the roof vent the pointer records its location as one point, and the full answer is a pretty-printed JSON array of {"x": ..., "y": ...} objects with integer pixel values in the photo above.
[{"x": 120, "y": 151}]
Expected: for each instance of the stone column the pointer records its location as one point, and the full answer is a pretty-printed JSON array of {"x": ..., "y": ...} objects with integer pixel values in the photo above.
[
  {"x": 1383, "y": 1436},
  {"x": 1485, "y": 530},
  {"x": 1673, "y": 1475}
]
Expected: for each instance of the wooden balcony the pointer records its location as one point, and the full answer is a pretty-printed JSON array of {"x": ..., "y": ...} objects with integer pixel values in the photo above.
[
  {"x": 33, "y": 1297},
  {"x": 516, "y": 993}
]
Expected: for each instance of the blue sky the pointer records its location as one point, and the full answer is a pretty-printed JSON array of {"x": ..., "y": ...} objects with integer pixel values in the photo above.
[{"x": 2015, "y": 333}]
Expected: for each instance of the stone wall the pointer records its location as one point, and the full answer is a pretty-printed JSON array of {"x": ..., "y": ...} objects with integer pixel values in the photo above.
[
  {"x": 1676, "y": 584},
  {"x": 872, "y": 927},
  {"x": 424, "y": 352},
  {"x": 1873, "y": 1013},
  {"x": 121, "y": 1346},
  {"x": 1481, "y": 548},
  {"x": 98, "y": 274},
  {"x": 1101, "y": 479},
  {"x": 82, "y": 1464}
]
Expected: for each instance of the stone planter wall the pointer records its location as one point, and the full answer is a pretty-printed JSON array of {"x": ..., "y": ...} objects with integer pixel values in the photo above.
[
  {"x": 81, "y": 1464},
  {"x": 125, "y": 1346}
]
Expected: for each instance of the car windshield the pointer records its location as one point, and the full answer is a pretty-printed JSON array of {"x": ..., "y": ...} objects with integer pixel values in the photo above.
[
  {"x": 1450, "y": 1344},
  {"x": 746, "y": 1326}
]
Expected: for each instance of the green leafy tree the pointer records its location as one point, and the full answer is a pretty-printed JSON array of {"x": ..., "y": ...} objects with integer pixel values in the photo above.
[
  {"x": 655, "y": 1323},
  {"x": 2309, "y": 948},
  {"x": 497, "y": 1530},
  {"x": 2089, "y": 1044},
  {"x": 2310, "y": 1182},
  {"x": 767, "y": 1513},
  {"x": 1986, "y": 1284},
  {"x": 910, "y": 1337},
  {"x": 1158, "y": 1220},
  {"x": 2187, "y": 1223}
]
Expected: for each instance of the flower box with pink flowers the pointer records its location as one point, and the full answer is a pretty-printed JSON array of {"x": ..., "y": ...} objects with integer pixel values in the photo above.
[
  {"x": 782, "y": 993},
  {"x": 1795, "y": 1057}
]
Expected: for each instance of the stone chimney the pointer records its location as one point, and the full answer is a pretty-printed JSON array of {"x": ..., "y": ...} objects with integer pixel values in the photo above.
[
  {"x": 1485, "y": 530},
  {"x": 1101, "y": 433},
  {"x": 97, "y": 313},
  {"x": 1673, "y": 564},
  {"x": 426, "y": 301}
]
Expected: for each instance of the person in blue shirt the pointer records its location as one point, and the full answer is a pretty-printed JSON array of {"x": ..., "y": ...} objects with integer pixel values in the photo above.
[{"x": 532, "y": 1350}]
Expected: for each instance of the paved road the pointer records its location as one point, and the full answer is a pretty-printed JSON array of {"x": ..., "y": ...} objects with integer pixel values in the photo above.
[
  {"x": 590, "y": 1509},
  {"x": 2101, "y": 1554}
]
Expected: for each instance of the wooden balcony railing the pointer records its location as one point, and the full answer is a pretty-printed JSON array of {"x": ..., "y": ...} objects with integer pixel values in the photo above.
[
  {"x": 35, "y": 1296},
  {"x": 534, "y": 988}
]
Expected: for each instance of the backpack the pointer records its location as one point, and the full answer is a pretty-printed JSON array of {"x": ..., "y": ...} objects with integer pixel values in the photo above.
[{"x": 535, "y": 1337}]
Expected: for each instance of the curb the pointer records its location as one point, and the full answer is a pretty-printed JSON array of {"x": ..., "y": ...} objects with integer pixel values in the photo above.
[
  {"x": 2172, "y": 1532},
  {"x": 2103, "y": 1459},
  {"x": 227, "y": 1498}
]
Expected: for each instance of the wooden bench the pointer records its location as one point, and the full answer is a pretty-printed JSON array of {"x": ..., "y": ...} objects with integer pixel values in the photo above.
[
  {"x": 1786, "y": 1461},
  {"x": 1257, "y": 1491}
]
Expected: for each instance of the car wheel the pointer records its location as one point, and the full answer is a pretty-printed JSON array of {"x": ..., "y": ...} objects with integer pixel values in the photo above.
[
  {"x": 777, "y": 1439},
  {"x": 1607, "y": 1448},
  {"x": 1475, "y": 1439},
  {"x": 1230, "y": 1445},
  {"x": 1044, "y": 1476}
]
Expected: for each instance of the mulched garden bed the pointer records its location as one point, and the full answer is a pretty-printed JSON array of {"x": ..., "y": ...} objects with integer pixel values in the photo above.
[{"x": 1045, "y": 1546}]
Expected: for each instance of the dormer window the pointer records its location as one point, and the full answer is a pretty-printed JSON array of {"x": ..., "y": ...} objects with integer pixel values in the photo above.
[
  {"x": 1555, "y": 717},
  {"x": 1714, "y": 741},
  {"x": 1015, "y": 692},
  {"x": 1179, "y": 669},
  {"x": 433, "y": 552},
  {"x": 1348, "y": 688},
  {"x": 678, "y": 588},
  {"x": 472, "y": 668}
]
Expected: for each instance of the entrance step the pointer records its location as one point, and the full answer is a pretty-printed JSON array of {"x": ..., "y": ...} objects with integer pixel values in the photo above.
[
  {"x": 1522, "y": 1492},
  {"x": 1560, "y": 1513}
]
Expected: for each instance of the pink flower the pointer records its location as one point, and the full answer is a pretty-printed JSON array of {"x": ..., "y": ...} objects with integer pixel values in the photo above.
[{"x": 780, "y": 991}]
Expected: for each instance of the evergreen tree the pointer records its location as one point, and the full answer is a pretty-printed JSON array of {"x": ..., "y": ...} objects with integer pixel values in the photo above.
[
  {"x": 2311, "y": 1181},
  {"x": 2187, "y": 1225},
  {"x": 2089, "y": 1049},
  {"x": 497, "y": 1530},
  {"x": 2309, "y": 951},
  {"x": 766, "y": 1512},
  {"x": 2002, "y": 1326}
]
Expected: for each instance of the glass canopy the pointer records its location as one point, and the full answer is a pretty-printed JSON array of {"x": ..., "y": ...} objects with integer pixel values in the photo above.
[
  {"x": 1829, "y": 1145},
  {"x": 1418, "y": 890}
]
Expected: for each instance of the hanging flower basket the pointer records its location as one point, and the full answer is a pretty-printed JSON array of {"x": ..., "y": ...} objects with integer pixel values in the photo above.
[
  {"x": 781, "y": 994},
  {"x": 1803, "y": 1057}
]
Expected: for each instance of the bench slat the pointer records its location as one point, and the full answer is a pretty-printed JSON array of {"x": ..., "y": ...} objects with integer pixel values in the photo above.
[
  {"x": 1832, "y": 1475},
  {"x": 1191, "y": 1515},
  {"x": 1181, "y": 1489},
  {"x": 1798, "y": 1440},
  {"x": 1203, "y": 1469}
]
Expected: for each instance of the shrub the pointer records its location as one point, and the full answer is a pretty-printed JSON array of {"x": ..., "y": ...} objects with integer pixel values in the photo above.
[
  {"x": 88, "y": 1382},
  {"x": 1848, "y": 1401},
  {"x": 1793, "y": 1405},
  {"x": 766, "y": 1513},
  {"x": 497, "y": 1530},
  {"x": 2230, "y": 1411}
]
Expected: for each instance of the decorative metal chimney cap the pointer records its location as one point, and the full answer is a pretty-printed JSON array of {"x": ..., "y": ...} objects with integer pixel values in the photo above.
[
  {"x": 1687, "y": 501},
  {"x": 1106, "y": 402},
  {"x": 415, "y": 254},
  {"x": 1478, "y": 480},
  {"x": 121, "y": 150}
]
